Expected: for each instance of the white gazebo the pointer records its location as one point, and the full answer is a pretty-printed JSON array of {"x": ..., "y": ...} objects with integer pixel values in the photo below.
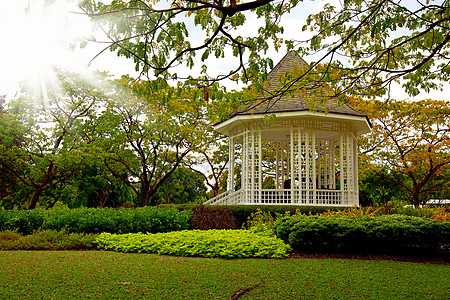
[{"x": 309, "y": 156}]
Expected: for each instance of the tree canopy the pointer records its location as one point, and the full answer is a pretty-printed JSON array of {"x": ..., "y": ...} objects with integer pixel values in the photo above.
[
  {"x": 361, "y": 47},
  {"x": 409, "y": 145}
]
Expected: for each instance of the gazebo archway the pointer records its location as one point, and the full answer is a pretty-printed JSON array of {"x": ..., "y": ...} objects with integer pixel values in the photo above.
[{"x": 311, "y": 156}]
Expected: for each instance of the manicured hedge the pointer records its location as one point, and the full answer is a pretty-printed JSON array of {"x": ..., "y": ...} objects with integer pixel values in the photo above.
[
  {"x": 384, "y": 234},
  {"x": 23, "y": 221},
  {"x": 206, "y": 243},
  {"x": 96, "y": 220}
]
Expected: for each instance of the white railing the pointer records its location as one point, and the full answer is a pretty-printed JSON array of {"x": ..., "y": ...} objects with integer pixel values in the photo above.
[
  {"x": 286, "y": 197},
  {"x": 227, "y": 198}
]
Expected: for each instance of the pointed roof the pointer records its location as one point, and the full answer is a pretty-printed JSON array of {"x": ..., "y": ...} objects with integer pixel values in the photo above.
[{"x": 292, "y": 102}]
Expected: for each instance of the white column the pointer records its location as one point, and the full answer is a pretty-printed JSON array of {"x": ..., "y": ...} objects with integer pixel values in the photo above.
[
  {"x": 333, "y": 163},
  {"x": 355, "y": 162},
  {"x": 259, "y": 164},
  {"x": 231, "y": 181},
  {"x": 292, "y": 169},
  {"x": 245, "y": 166},
  {"x": 313, "y": 167},
  {"x": 277, "y": 165}
]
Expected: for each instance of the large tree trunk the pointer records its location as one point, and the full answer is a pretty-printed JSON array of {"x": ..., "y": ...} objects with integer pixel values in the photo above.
[
  {"x": 37, "y": 193},
  {"x": 215, "y": 189},
  {"x": 415, "y": 196}
]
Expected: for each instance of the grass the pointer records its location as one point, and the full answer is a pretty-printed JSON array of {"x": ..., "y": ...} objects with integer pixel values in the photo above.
[{"x": 112, "y": 275}]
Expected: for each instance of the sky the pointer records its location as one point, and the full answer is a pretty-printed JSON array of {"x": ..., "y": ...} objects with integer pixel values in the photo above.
[
  {"x": 46, "y": 36},
  {"x": 36, "y": 37}
]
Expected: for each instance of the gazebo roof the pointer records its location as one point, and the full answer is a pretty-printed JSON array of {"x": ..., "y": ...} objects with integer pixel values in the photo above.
[
  {"x": 293, "y": 106},
  {"x": 292, "y": 103}
]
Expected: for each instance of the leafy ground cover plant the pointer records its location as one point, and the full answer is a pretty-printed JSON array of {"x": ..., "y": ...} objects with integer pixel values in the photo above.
[
  {"x": 206, "y": 243},
  {"x": 46, "y": 240},
  {"x": 384, "y": 234}
]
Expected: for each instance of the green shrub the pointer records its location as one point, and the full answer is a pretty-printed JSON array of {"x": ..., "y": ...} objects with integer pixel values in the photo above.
[
  {"x": 124, "y": 220},
  {"x": 206, "y": 243},
  {"x": 46, "y": 240},
  {"x": 96, "y": 220},
  {"x": 23, "y": 221},
  {"x": 241, "y": 213},
  {"x": 260, "y": 218},
  {"x": 385, "y": 234}
]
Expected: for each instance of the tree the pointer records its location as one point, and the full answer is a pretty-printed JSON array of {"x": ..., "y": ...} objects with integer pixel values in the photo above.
[
  {"x": 214, "y": 159},
  {"x": 378, "y": 190},
  {"x": 182, "y": 186},
  {"x": 10, "y": 139},
  {"x": 50, "y": 147},
  {"x": 2, "y": 102},
  {"x": 93, "y": 185},
  {"x": 410, "y": 144},
  {"x": 384, "y": 41},
  {"x": 362, "y": 46},
  {"x": 147, "y": 130}
]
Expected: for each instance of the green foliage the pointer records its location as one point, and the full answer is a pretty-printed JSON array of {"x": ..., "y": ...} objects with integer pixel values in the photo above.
[
  {"x": 96, "y": 220},
  {"x": 46, "y": 240},
  {"x": 182, "y": 186},
  {"x": 93, "y": 185},
  {"x": 111, "y": 143},
  {"x": 144, "y": 135},
  {"x": 243, "y": 212},
  {"x": 209, "y": 217},
  {"x": 260, "y": 219},
  {"x": 377, "y": 190},
  {"x": 11, "y": 131},
  {"x": 389, "y": 233},
  {"x": 42, "y": 157},
  {"x": 409, "y": 145},
  {"x": 131, "y": 24},
  {"x": 210, "y": 243},
  {"x": 362, "y": 46},
  {"x": 124, "y": 220},
  {"x": 382, "y": 39},
  {"x": 22, "y": 221}
]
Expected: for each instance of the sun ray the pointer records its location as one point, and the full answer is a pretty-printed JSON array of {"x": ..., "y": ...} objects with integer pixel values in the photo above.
[{"x": 38, "y": 37}]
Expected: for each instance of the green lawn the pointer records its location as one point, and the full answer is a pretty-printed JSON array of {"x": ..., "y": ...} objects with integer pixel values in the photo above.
[{"x": 111, "y": 275}]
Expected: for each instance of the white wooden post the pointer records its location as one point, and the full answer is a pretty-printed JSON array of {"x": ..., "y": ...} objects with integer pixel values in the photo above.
[
  {"x": 231, "y": 181},
  {"x": 244, "y": 169},
  {"x": 314, "y": 174},
  {"x": 292, "y": 172},
  {"x": 355, "y": 162},
  {"x": 341, "y": 166}
]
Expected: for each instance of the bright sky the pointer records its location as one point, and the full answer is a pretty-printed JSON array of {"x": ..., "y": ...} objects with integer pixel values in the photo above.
[
  {"x": 33, "y": 42},
  {"x": 36, "y": 37}
]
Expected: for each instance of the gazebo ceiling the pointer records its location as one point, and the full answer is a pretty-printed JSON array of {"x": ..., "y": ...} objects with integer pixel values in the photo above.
[{"x": 289, "y": 107}]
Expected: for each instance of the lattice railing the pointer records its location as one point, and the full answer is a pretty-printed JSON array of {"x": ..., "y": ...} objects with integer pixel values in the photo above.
[
  {"x": 288, "y": 197},
  {"x": 227, "y": 198}
]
